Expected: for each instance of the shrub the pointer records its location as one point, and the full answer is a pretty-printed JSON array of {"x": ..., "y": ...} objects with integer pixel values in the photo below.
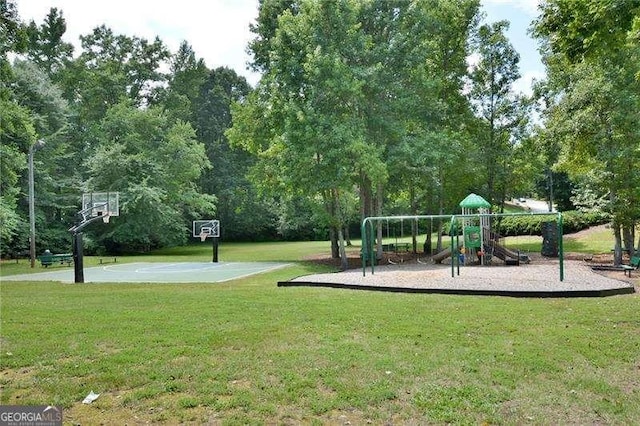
[{"x": 573, "y": 221}]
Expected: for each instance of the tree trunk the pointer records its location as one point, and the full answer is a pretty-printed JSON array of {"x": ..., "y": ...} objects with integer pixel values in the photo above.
[
  {"x": 550, "y": 200},
  {"x": 347, "y": 236},
  {"x": 379, "y": 224},
  {"x": 335, "y": 253},
  {"x": 627, "y": 238},
  {"x": 617, "y": 249},
  {"x": 344, "y": 262}
]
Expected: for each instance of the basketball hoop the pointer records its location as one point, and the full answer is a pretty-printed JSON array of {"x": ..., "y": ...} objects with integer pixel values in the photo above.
[
  {"x": 105, "y": 218},
  {"x": 203, "y": 236}
]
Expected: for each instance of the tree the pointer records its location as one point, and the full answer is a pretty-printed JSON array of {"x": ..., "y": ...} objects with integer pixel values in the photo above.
[
  {"x": 186, "y": 77},
  {"x": 156, "y": 165},
  {"x": 46, "y": 47},
  {"x": 496, "y": 104},
  {"x": 17, "y": 134},
  {"x": 591, "y": 57},
  {"x": 112, "y": 68},
  {"x": 313, "y": 85},
  {"x": 49, "y": 112},
  {"x": 244, "y": 213},
  {"x": 435, "y": 115}
]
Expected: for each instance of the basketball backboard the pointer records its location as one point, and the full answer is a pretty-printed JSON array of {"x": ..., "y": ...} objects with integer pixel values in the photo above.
[
  {"x": 206, "y": 228},
  {"x": 101, "y": 204}
]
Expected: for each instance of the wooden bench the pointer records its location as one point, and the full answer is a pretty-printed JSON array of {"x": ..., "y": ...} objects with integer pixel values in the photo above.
[
  {"x": 633, "y": 265},
  {"x": 50, "y": 259}
]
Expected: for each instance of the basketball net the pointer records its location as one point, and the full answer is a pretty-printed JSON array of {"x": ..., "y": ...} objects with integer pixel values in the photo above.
[
  {"x": 105, "y": 218},
  {"x": 203, "y": 236}
]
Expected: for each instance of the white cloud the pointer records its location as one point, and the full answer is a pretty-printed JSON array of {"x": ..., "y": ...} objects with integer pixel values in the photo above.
[{"x": 218, "y": 30}]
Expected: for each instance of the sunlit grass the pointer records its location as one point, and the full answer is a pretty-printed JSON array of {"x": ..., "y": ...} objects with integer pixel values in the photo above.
[{"x": 247, "y": 351}]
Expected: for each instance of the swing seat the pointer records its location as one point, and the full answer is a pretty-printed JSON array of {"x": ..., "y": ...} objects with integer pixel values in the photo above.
[{"x": 396, "y": 248}]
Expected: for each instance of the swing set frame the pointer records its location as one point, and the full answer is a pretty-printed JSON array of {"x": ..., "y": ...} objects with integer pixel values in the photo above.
[{"x": 368, "y": 238}]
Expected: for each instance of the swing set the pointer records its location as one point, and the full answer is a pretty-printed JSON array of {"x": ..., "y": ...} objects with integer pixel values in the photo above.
[
  {"x": 399, "y": 247},
  {"x": 483, "y": 239}
]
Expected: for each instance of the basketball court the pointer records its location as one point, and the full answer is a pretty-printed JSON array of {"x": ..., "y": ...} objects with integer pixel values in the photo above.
[{"x": 146, "y": 272}]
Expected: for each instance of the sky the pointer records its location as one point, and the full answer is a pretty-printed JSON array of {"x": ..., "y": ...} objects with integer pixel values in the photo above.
[{"x": 218, "y": 30}]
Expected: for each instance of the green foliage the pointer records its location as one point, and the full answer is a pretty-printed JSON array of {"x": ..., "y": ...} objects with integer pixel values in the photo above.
[
  {"x": 154, "y": 164},
  {"x": 17, "y": 133},
  {"x": 9, "y": 221},
  {"x": 573, "y": 221},
  {"x": 591, "y": 53},
  {"x": 502, "y": 112},
  {"x": 46, "y": 48},
  {"x": 35, "y": 91}
]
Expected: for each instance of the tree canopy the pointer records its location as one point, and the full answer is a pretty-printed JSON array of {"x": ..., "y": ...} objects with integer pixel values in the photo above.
[{"x": 363, "y": 108}]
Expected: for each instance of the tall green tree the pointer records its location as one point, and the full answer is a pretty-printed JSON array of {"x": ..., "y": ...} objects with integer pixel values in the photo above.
[
  {"x": 314, "y": 86},
  {"x": 429, "y": 46},
  {"x": 242, "y": 211},
  {"x": 155, "y": 164},
  {"x": 13, "y": 39},
  {"x": 186, "y": 76},
  {"x": 46, "y": 47},
  {"x": 49, "y": 112},
  {"x": 591, "y": 57},
  {"x": 497, "y": 105},
  {"x": 112, "y": 68},
  {"x": 17, "y": 133}
]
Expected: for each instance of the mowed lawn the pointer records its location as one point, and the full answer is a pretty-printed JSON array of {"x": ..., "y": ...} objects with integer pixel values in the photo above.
[{"x": 246, "y": 352}]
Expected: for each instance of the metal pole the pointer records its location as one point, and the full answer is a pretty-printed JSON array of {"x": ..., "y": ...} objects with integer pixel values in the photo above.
[
  {"x": 365, "y": 245},
  {"x": 560, "y": 246},
  {"x": 78, "y": 256},
  {"x": 32, "y": 215},
  {"x": 453, "y": 251}
]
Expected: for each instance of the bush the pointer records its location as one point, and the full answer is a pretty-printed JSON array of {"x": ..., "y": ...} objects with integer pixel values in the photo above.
[{"x": 573, "y": 221}]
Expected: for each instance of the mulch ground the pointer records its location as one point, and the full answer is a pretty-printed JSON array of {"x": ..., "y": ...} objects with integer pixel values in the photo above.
[{"x": 410, "y": 258}]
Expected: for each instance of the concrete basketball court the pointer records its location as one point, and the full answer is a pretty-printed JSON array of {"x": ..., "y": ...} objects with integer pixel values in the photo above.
[{"x": 139, "y": 272}]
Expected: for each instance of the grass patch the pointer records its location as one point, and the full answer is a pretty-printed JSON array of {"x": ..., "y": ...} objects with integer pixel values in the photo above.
[{"x": 247, "y": 351}]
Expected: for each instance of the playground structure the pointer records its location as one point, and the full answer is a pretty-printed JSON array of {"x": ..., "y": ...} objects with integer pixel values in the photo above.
[{"x": 479, "y": 240}]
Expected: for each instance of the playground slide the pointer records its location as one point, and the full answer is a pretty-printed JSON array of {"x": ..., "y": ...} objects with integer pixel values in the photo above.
[
  {"x": 492, "y": 246},
  {"x": 503, "y": 253},
  {"x": 440, "y": 256}
]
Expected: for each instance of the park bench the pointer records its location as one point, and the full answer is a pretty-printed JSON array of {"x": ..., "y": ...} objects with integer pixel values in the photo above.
[
  {"x": 50, "y": 259},
  {"x": 633, "y": 264}
]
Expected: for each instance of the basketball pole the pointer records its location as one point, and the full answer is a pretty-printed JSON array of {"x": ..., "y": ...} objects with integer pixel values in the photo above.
[
  {"x": 215, "y": 249},
  {"x": 78, "y": 263}
]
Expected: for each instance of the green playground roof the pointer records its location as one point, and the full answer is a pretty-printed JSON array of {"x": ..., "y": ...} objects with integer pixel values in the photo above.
[{"x": 474, "y": 201}]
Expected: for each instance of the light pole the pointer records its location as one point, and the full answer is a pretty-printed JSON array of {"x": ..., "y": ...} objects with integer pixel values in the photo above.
[{"x": 32, "y": 215}]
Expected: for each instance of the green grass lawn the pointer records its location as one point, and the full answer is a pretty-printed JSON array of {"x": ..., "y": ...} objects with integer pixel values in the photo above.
[{"x": 248, "y": 352}]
